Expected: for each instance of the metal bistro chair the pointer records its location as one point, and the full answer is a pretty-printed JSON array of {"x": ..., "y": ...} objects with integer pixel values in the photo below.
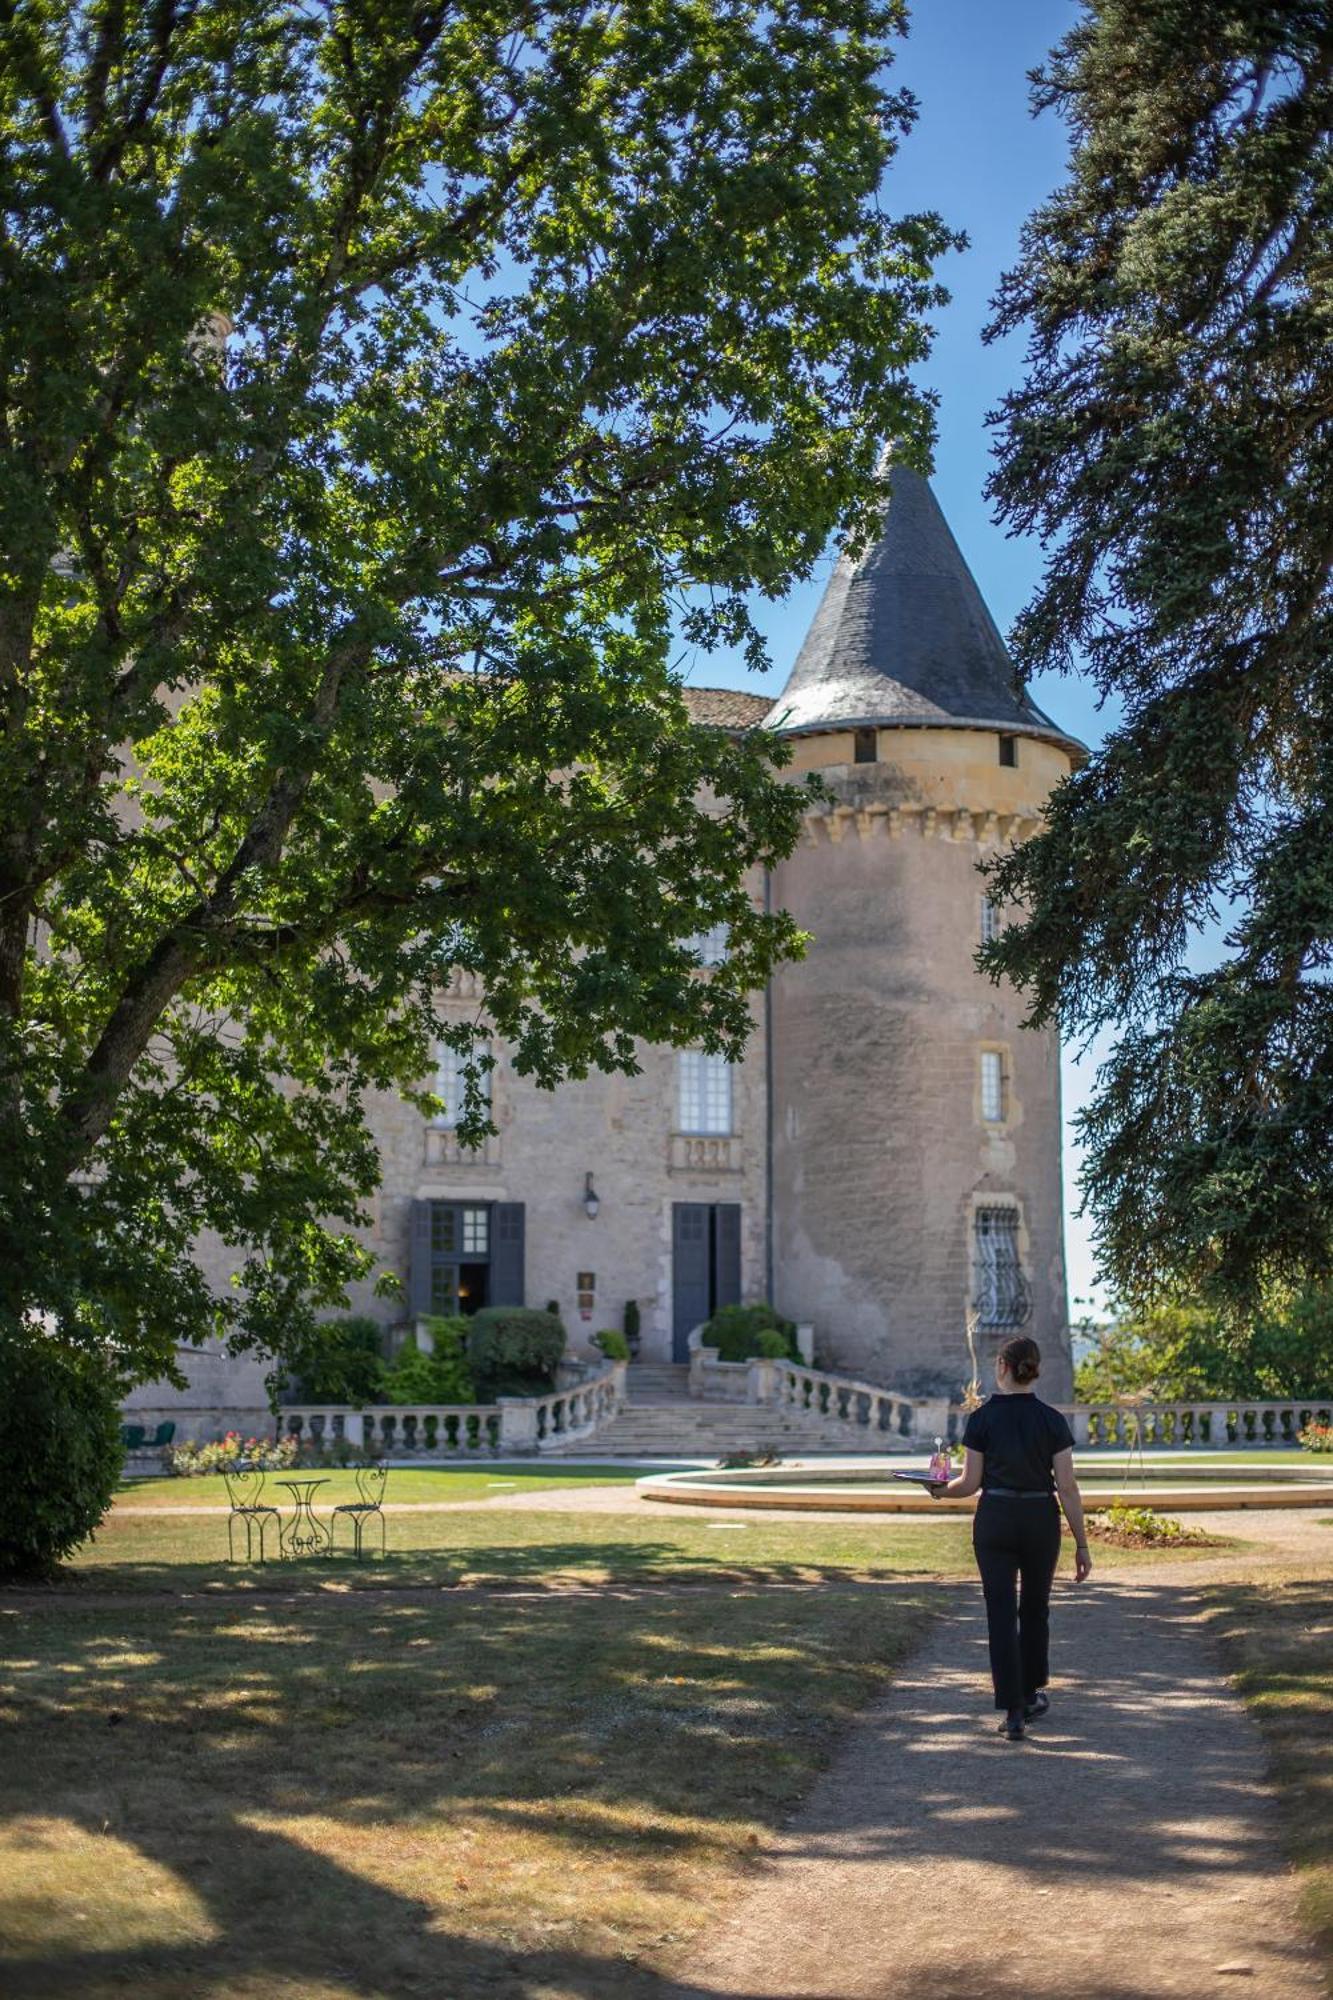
[
  {"x": 370, "y": 1493},
  {"x": 245, "y": 1491}
]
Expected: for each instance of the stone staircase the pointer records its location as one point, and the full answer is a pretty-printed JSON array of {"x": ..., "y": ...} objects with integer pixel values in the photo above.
[{"x": 661, "y": 1420}]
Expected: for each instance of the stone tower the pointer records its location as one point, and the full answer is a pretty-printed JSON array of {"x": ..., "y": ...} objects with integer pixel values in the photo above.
[{"x": 915, "y": 1125}]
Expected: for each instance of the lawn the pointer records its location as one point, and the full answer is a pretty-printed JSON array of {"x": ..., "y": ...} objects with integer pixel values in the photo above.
[
  {"x": 1277, "y": 1638},
  {"x": 410, "y": 1484},
  {"x": 233, "y": 1783}
]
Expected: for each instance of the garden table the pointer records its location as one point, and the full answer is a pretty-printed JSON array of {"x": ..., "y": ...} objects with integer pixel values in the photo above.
[{"x": 305, "y": 1534}]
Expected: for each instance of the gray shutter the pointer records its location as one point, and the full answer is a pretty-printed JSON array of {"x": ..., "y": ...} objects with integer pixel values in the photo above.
[
  {"x": 507, "y": 1253},
  {"x": 690, "y": 1304},
  {"x": 728, "y": 1264},
  {"x": 418, "y": 1259}
]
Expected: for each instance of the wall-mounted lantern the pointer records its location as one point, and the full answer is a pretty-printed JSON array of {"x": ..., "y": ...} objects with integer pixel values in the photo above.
[{"x": 591, "y": 1199}]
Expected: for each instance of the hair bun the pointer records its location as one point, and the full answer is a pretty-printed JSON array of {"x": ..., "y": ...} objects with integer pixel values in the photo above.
[{"x": 1022, "y": 1357}]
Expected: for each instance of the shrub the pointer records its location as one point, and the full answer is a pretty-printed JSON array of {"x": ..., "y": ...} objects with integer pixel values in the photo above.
[
  {"x": 60, "y": 1448},
  {"x": 735, "y": 1332},
  {"x": 442, "y": 1376},
  {"x": 1140, "y": 1527},
  {"x": 632, "y": 1322},
  {"x": 270, "y": 1454},
  {"x": 341, "y": 1362},
  {"x": 514, "y": 1350},
  {"x": 613, "y": 1345},
  {"x": 1316, "y": 1437}
]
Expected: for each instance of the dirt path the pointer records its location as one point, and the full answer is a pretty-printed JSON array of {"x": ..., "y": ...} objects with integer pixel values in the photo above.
[{"x": 1127, "y": 1850}]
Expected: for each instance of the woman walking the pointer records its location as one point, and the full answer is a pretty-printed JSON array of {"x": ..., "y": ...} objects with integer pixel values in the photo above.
[{"x": 1020, "y": 1454}]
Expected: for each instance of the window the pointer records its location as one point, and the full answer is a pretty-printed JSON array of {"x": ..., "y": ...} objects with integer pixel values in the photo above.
[
  {"x": 450, "y": 1065},
  {"x": 990, "y": 920},
  {"x": 867, "y": 746},
  {"x": 476, "y": 1232},
  {"x": 1009, "y": 750},
  {"x": 710, "y": 946},
  {"x": 1000, "y": 1294},
  {"x": 992, "y": 1086},
  {"x": 704, "y": 1083}
]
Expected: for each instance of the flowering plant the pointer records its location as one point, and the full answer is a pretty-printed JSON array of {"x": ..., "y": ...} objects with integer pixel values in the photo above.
[
  {"x": 1316, "y": 1437},
  {"x": 269, "y": 1454}
]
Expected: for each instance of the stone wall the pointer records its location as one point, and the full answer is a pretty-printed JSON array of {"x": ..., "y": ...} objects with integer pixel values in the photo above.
[{"x": 881, "y": 1154}]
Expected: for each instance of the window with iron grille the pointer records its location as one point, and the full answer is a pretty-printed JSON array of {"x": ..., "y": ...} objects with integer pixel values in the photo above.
[
  {"x": 1000, "y": 1294},
  {"x": 710, "y": 946},
  {"x": 704, "y": 1085},
  {"x": 990, "y": 920},
  {"x": 449, "y": 1067},
  {"x": 992, "y": 1086}
]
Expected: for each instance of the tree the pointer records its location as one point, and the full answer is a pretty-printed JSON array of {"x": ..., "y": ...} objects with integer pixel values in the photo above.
[
  {"x": 1185, "y": 1351},
  {"x": 390, "y": 390},
  {"x": 1171, "y": 444}
]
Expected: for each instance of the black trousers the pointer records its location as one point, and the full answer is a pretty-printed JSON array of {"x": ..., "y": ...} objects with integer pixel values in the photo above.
[{"x": 1017, "y": 1542}]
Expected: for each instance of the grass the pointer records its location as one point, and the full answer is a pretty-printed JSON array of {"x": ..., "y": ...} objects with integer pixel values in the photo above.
[
  {"x": 1277, "y": 1638},
  {"x": 207, "y": 1787},
  {"x": 408, "y": 1483}
]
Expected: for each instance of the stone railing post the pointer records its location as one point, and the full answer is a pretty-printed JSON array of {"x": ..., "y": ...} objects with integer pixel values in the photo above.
[
  {"x": 354, "y": 1428},
  {"x": 805, "y": 1344},
  {"x": 930, "y": 1418},
  {"x": 761, "y": 1382},
  {"x": 518, "y": 1423}
]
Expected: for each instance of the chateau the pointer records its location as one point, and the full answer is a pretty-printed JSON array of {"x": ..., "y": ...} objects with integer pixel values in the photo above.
[{"x": 885, "y": 1161}]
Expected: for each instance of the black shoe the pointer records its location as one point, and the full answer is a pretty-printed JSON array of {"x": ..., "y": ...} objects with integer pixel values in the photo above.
[
  {"x": 1012, "y": 1726},
  {"x": 1038, "y": 1706}
]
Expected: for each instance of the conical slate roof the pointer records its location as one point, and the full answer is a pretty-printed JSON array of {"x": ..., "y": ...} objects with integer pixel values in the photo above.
[{"x": 903, "y": 638}]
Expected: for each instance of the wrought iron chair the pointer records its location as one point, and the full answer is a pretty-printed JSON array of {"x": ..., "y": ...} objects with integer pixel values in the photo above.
[
  {"x": 369, "y": 1495},
  {"x": 245, "y": 1491}
]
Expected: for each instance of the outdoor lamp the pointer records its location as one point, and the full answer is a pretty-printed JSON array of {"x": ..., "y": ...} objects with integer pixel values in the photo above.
[{"x": 591, "y": 1198}]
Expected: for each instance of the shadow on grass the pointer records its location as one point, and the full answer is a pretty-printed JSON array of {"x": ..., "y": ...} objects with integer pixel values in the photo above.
[
  {"x": 358, "y": 1798},
  {"x": 346, "y": 1795}
]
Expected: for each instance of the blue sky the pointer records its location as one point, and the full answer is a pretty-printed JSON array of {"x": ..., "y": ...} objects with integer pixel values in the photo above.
[{"x": 977, "y": 155}]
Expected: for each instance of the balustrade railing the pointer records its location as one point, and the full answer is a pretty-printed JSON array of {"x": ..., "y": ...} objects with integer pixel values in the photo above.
[
  {"x": 1210, "y": 1424},
  {"x": 863, "y": 1406},
  {"x": 519, "y": 1424}
]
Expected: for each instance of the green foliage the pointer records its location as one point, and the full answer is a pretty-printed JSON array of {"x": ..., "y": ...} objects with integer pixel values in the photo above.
[
  {"x": 1143, "y": 1526},
  {"x": 613, "y": 1344},
  {"x": 514, "y": 1350},
  {"x": 1176, "y": 1351},
  {"x": 60, "y": 1450},
  {"x": 442, "y": 1376},
  {"x": 741, "y": 1332},
  {"x": 341, "y": 1362},
  {"x": 393, "y": 391},
  {"x": 1169, "y": 445}
]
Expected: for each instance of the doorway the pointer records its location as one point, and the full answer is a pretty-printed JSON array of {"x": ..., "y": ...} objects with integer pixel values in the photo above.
[{"x": 705, "y": 1265}]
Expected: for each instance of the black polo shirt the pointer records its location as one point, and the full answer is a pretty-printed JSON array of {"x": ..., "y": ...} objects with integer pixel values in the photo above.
[{"x": 1019, "y": 1437}]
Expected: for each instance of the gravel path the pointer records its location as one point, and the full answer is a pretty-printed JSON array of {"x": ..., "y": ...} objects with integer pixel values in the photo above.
[{"x": 1127, "y": 1850}]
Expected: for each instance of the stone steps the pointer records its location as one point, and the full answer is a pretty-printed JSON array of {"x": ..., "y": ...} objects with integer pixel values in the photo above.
[{"x": 683, "y": 1428}]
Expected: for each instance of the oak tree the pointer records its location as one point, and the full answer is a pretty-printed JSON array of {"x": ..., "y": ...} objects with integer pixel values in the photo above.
[{"x": 395, "y": 397}]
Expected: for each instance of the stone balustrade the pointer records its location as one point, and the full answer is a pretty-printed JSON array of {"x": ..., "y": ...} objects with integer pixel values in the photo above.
[
  {"x": 518, "y": 1425},
  {"x": 1209, "y": 1424},
  {"x": 873, "y": 1415},
  {"x": 871, "y": 1412}
]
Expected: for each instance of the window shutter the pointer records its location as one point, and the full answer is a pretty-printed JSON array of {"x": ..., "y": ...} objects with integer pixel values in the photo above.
[
  {"x": 727, "y": 1216},
  {"x": 507, "y": 1253},
  {"x": 418, "y": 1259}
]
